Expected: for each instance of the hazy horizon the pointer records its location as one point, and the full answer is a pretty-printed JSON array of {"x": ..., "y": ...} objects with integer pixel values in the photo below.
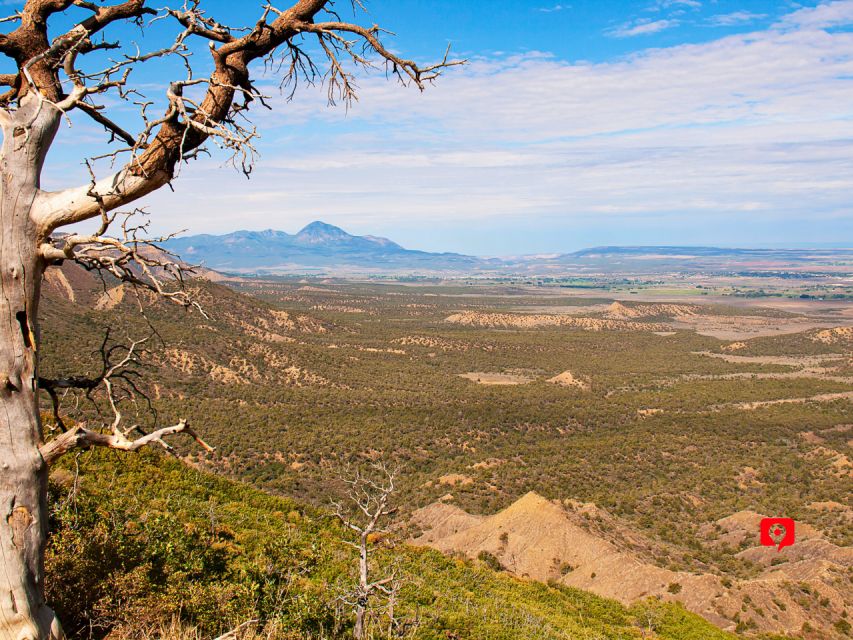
[{"x": 438, "y": 249}]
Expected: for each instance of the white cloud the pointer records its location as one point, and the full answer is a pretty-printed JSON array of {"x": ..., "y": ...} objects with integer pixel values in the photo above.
[
  {"x": 660, "y": 5},
  {"x": 554, "y": 8},
  {"x": 641, "y": 27},
  {"x": 735, "y": 18},
  {"x": 825, "y": 15},
  {"x": 756, "y": 124}
]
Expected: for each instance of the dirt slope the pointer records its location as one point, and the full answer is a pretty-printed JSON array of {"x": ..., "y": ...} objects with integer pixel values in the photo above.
[
  {"x": 538, "y": 321},
  {"x": 568, "y": 379},
  {"x": 544, "y": 540},
  {"x": 838, "y": 335},
  {"x": 619, "y": 311}
]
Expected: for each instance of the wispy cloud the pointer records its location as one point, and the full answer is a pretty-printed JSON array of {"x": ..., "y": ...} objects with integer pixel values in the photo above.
[
  {"x": 735, "y": 18},
  {"x": 828, "y": 14},
  {"x": 555, "y": 8},
  {"x": 743, "y": 127},
  {"x": 661, "y": 5},
  {"x": 641, "y": 27}
]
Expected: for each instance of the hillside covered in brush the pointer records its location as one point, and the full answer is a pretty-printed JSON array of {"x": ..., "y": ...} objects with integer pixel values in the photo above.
[
  {"x": 675, "y": 424},
  {"x": 146, "y": 547}
]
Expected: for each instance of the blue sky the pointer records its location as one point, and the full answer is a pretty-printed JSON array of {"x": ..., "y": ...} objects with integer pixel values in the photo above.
[{"x": 576, "y": 123}]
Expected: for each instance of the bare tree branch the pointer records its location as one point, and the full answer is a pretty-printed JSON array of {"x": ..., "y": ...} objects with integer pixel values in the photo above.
[
  {"x": 112, "y": 436},
  {"x": 108, "y": 124},
  {"x": 81, "y": 437},
  {"x": 187, "y": 124},
  {"x": 131, "y": 258}
]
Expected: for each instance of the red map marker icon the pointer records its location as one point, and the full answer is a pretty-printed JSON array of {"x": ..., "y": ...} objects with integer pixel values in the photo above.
[{"x": 777, "y": 532}]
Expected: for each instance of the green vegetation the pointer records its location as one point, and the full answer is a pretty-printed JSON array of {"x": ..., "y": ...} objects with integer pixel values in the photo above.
[
  {"x": 294, "y": 382},
  {"x": 666, "y": 472},
  {"x": 140, "y": 541}
]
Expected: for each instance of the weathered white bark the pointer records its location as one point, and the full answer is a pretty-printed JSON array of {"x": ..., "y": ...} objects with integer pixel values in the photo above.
[
  {"x": 23, "y": 473},
  {"x": 363, "y": 592},
  {"x": 52, "y": 209}
]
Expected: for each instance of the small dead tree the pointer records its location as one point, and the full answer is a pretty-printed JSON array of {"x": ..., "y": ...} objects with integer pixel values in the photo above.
[
  {"x": 81, "y": 73},
  {"x": 365, "y": 512}
]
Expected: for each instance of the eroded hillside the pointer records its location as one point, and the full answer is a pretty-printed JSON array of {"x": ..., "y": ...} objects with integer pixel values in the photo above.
[{"x": 583, "y": 546}]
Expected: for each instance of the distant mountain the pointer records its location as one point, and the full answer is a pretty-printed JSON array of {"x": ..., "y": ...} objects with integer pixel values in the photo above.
[
  {"x": 707, "y": 252},
  {"x": 322, "y": 248},
  {"x": 317, "y": 247},
  {"x": 651, "y": 259}
]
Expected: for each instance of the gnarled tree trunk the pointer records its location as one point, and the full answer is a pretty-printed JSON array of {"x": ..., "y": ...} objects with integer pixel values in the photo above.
[
  {"x": 29, "y": 116},
  {"x": 363, "y": 591},
  {"x": 23, "y": 473}
]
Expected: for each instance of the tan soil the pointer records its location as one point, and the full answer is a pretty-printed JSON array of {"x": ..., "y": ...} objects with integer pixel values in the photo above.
[
  {"x": 310, "y": 289},
  {"x": 440, "y": 520},
  {"x": 834, "y": 507},
  {"x": 645, "y": 413},
  {"x": 823, "y": 397},
  {"x": 568, "y": 379},
  {"x": 432, "y": 342},
  {"x": 834, "y": 336},
  {"x": 238, "y": 371},
  {"x": 225, "y": 375},
  {"x": 263, "y": 334},
  {"x": 245, "y": 369},
  {"x": 619, "y": 311},
  {"x": 835, "y": 463},
  {"x": 339, "y": 308},
  {"x": 623, "y": 318},
  {"x": 538, "y": 321},
  {"x": 192, "y": 363},
  {"x": 301, "y": 378},
  {"x": 183, "y": 361},
  {"x": 739, "y": 328},
  {"x": 497, "y": 379},
  {"x": 488, "y": 463},
  {"x": 541, "y": 539},
  {"x": 269, "y": 327},
  {"x": 811, "y": 437},
  {"x": 398, "y": 352},
  {"x": 839, "y": 428},
  {"x": 110, "y": 298},
  {"x": 748, "y": 479},
  {"x": 812, "y": 362},
  {"x": 57, "y": 280},
  {"x": 454, "y": 479},
  {"x": 272, "y": 358},
  {"x": 806, "y": 367}
]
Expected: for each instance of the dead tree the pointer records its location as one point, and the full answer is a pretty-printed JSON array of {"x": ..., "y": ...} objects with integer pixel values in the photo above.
[
  {"x": 365, "y": 513},
  {"x": 56, "y": 77}
]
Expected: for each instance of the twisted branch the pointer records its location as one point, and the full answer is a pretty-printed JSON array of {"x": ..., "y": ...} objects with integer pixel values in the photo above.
[
  {"x": 155, "y": 153},
  {"x": 112, "y": 436}
]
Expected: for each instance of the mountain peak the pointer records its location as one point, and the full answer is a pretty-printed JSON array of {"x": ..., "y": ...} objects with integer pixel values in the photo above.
[
  {"x": 318, "y": 226},
  {"x": 322, "y": 233},
  {"x": 318, "y": 245}
]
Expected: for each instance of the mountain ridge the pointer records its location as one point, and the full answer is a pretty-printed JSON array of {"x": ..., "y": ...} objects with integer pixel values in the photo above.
[
  {"x": 318, "y": 245},
  {"x": 321, "y": 248}
]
